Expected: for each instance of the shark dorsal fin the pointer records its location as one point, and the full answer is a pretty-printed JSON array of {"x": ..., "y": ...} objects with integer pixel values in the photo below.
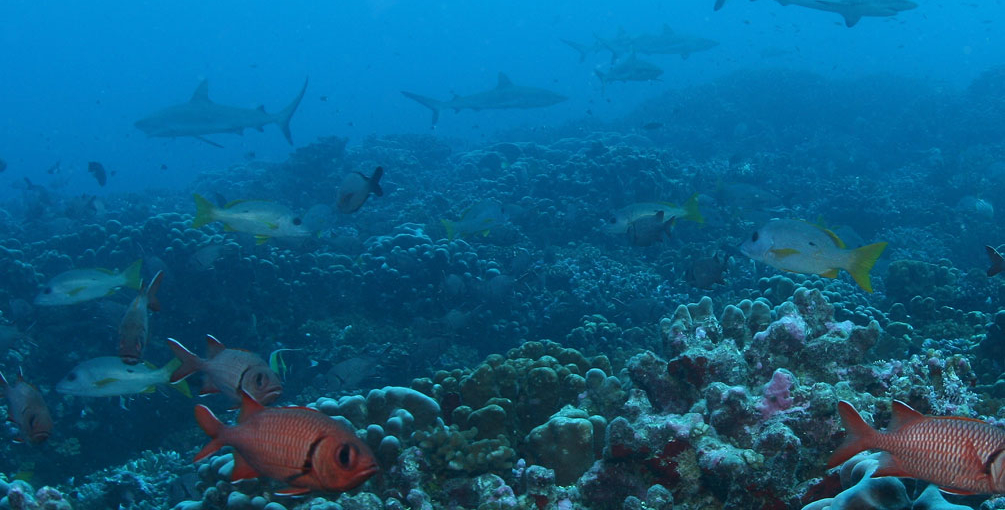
[
  {"x": 201, "y": 94},
  {"x": 503, "y": 81}
]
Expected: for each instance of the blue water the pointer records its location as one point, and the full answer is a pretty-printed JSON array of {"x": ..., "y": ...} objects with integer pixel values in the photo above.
[{"x": 78, "y": 75}]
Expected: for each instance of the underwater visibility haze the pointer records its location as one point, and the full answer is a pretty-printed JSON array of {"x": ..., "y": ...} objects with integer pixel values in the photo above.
[{"x": 491, "y": 255}]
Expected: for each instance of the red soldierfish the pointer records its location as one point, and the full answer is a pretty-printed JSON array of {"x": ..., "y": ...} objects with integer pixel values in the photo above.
[
  {"x": 133, "y": 330},
  {"x": 960, "y": 455},
  {"x": 26, "y": 408},
  {"x": 228, "y": 371},
  {"x": 297, "y": 445}
]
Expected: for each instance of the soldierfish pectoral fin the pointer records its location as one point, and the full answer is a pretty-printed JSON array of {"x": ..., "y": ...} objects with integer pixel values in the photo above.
[
  {"x": 293, "y": 491},
  {"x": 242, "y": 470},
  {"x": 888, "y": 466},
  {"x": 862, "y": 260},
  {"x": 151, "y": 291}
]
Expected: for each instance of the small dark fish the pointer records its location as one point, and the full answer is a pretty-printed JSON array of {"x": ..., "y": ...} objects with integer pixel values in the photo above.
[
  {"x": 649, "y": 230},
  {"x": 55, "y": 168},
  {"x": 98, "y": 171},
  {"x": 356, "y": 188},
  {"x": 652, "y": 126},
  {"x": 997, "y": 262},
  {"x": 26, "y": 408},
  {"x": 250, "y": 155},
  {"x": 163, "y": 166},
  {"x": 707, "y": 272},
  {"x": 3, "y": 165},
  {"x": 324, "y": 98}
]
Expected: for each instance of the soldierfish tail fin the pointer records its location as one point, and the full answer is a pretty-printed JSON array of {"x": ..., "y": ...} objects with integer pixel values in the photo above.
[
  {"x": 132, "y": 275},
  {"x": 428, "y": 102},
  {"x": 862, "y": 260},
  {"x": 190, "y": 363},
  {"x": 691, "y": 211},
  {"x": 860, "y": 435},
  {"x": 997, "y": 262},
  {"x": 151, "y": 291},
  {"x": 212, "y": 426},
  {"x": 205, "y": 211},
  {"x": 169, "y": 369},
  {"x": 284, "y": 116},
  {"x": 451, "y": 229}
]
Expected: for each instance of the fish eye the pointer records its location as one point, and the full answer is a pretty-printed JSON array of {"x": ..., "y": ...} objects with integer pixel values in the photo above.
[
  {"x": 72, "y": 376},
  {"x": 612, "y": 220},
  {"x": 260, "y": 380},
  {"x": 346, "y": 455},
  {"x": 753, "y": 238},
  {"x": 31, "y": 421},
  {"x": 47, "y": 290},
  {"x": 297, "y": 221}
]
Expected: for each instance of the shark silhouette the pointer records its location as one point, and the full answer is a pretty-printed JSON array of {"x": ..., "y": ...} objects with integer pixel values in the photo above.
[
  {"x": 505, "y": 95},
  {"x": 200, "y": 116}
]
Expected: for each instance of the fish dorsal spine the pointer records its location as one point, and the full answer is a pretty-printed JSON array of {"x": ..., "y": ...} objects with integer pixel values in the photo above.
[{"x": 903, "y": 415}]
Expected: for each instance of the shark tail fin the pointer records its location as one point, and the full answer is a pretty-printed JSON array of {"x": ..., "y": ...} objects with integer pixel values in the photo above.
[
  {"x": 428, "y": 102},
  {"x": 284, "y": 116},
  {"x": 204, "y": 211},
  {"x": 862, "y": 260},
  {"x": 580, "y": 48}
]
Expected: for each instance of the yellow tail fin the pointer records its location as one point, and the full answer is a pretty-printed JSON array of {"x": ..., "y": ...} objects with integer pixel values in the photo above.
[
  {"x": 204, "y": 211},
  {"x": 691, "y": 211},
  {"x": 451, "y": 230},
  {"x": 862, "y": 260},
  {"x": 181, "y": 385},
  {"x": 132, "y": 275}
]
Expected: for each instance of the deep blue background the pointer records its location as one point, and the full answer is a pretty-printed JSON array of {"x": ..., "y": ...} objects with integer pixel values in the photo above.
[{"x": 76, "y": 75}]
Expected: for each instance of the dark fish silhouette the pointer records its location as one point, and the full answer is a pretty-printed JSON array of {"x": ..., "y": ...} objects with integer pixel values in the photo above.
[
  {"x": 98, "y": 171},
  {"x": 356, "y": 188},
  {"x": 997, "y": 262}
]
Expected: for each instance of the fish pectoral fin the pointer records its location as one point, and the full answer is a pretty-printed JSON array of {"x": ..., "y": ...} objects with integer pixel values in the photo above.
[
  {"x": 958, "y": 492},
  {"x": 260, "y": 239},
  {"x": 101, "y": 383},
  {"x": 830, "y": 273},
  {"x": 242, "y": 470},
  {"x": 293, "y": 491},
  {"x": 75, "y": 291},
  {"x": 149, "y": 389},
  {"x": 888, "y": 466},
  {"x": 781, "y": 253}
]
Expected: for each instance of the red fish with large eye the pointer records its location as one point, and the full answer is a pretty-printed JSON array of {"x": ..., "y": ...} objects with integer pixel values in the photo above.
[
  {"x": 297, "y": 445},
  {"x": 228, "y": 371},
  {"x": 960, "y": 455},
  {"x": 134, "y": 330},
  {"x": 26, "y": 408}
]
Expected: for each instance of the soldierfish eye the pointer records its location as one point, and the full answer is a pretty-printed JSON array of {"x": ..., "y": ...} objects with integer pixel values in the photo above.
[
  {"x": 260, "y": 380},
  {"x": 345, "y": 456},
  {"x": 753, "y": 238}
]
